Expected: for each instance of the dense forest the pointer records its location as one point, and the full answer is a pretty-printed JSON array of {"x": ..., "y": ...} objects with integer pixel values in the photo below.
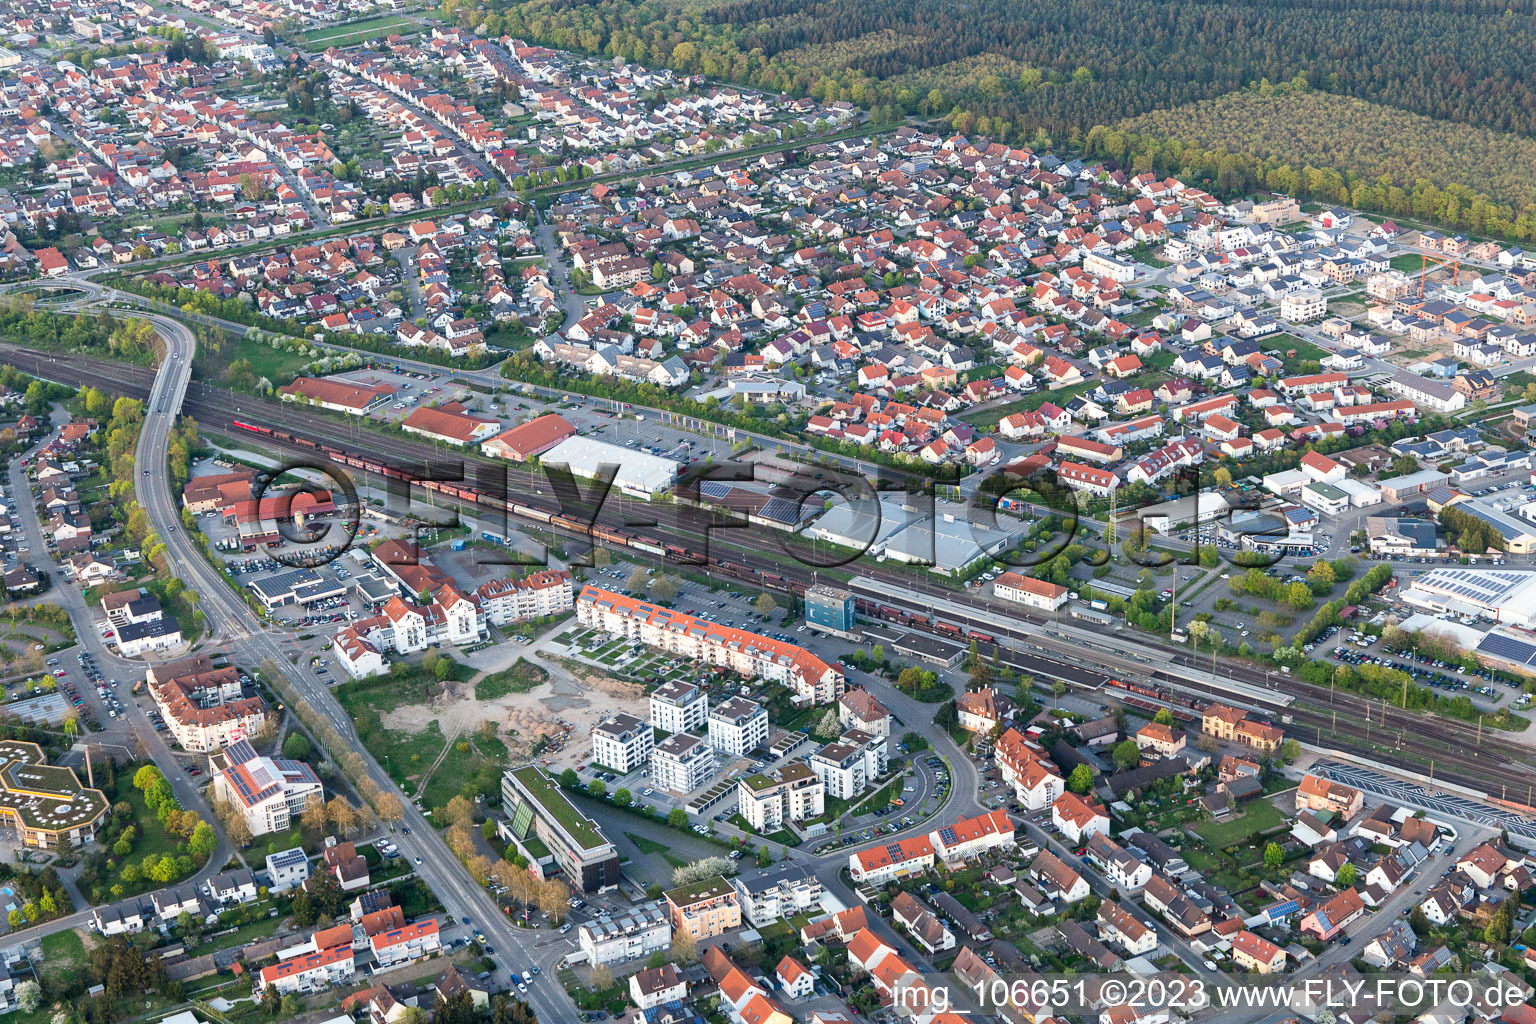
[
  {"x": 1026, "y": 71},
  {"x": 1336, "y": 131}
]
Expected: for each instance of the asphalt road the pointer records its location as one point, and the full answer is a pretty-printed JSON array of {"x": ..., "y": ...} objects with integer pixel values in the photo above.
[
  {"x": 248, "y": 641},
  {"x": 126, "y": 671}
]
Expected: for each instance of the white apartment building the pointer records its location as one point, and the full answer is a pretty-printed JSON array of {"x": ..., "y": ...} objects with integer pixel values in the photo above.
[
  {"x": 747, "y": 654},
  {"x": 533, "y": 597},
  {"x": 737, "y": 726},
  {"x": 268, "y": 792},
  {"x": 679, "y": 707},
  {"x": 311, "y": 972},
  {"x": 622, "y": 743},
  {"x": 398, "y": 945},
  {"x": 681, "y": 763},
  {"x": 791, "y": 793},
  {"x": 631, "y": 936},
  {"x": 1036, "y": 783},
  {"x": 783, "y": 892},
  {"x": 287, "y": 869},
  {"x": 1124, "y": 871},
  {"x": 1305, "y": 304},
  {"x": 850, "y": 764},
  {"x": 205, "y": 710}
]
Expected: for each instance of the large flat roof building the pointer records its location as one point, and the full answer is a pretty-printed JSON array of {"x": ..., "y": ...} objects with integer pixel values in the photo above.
[
  {"x": 45, "y": 802},
  {"x": 1499, "y": 595},
  {"x": 553, "y": 834},
  {"x": 635, "y": 473}
]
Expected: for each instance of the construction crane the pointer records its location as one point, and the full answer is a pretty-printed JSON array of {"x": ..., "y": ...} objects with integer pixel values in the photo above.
[{"x": 1424, "y": 262}]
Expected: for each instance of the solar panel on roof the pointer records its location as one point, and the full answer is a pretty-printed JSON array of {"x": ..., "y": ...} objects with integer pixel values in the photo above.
[
  {"x": 947, "y": 835},
  {"x": 1508, "y": 647},
  {"x": 782, "y": 510}
]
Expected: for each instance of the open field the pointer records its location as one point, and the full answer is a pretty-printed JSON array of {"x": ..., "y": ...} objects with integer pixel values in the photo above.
[
  {"x": 1259, "y": 816},
  {"x": 359, "y": 31}
]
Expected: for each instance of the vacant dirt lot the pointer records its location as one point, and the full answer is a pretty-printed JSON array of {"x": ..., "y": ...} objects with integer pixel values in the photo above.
[{"x": 573, "y": 702}]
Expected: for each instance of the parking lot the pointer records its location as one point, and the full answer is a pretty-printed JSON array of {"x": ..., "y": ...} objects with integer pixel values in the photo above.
[{"x": 1481, "y": 685}]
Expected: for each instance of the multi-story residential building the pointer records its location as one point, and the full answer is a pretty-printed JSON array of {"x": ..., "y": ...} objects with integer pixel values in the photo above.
[
  {"x": 880, "y": 864},
  {"x": 971, "y": 837},
  {"x": 677, "y": 706},
  {"x": 1035, "y": 781},
  {"x": 704, "y": 909},
  {"x": 535, "y": 596},
  {"x": 622, "y": 743},
  {"x": 269, "y": 793},
  {"x": 849, "y": 765},
  {"x": 747, "y": 654},
  {"x": 411, "y": 942},
  {"x": 785, "y": 891},
  {"x": 310, "y": 972},
  {"x": 1123, "y": 870},
  {"x": 1078, "y": 817},
  {"x": 631, "y": 936},
  {"x": 858, "y": 709},
  {"x": 1302, "y": 305},
  {"x": 792, "y": 792},
  {"x": 555, "y": 837},
  {"x": 1117, "y": 925},
  {"x": 1319, "y": 794},
  {"x": 737, "y": 725},
  {"x": 681, "y": 763},
  {"x": 205, "y": 710}
]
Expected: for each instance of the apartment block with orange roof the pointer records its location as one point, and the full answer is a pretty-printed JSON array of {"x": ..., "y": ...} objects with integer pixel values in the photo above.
[{"x": 746, "y": 654}]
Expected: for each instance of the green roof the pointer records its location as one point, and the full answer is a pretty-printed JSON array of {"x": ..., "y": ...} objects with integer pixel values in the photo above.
[
  {"x": 708, "y": 888},
  {"x": 546, "y": 793},
  {"x": 759, "y": 782}
]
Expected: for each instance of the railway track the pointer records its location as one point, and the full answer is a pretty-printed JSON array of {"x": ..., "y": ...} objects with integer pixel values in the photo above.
[{"x": 1468, "y": 759}]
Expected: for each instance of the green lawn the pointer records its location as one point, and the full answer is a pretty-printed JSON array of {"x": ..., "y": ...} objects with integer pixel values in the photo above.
[
  {"x": 645, "y": 845},
  {"x": 462, "y": 772},
  {"x": 151, "y": 838},
  {"x": 520, "y": 678},
  {"x": 63, "y": 952},
  {"x": 407, "y": 755},
  {"x": 276, "y": 365},
  {"x": 359, "y": 31},
  {"x": 1259, "y": 816}
]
